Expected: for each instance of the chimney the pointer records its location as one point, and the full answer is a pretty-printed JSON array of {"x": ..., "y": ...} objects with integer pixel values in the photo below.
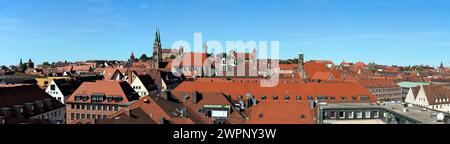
[
  {"x": 18, "y": 109},
  {"x": 301, "y": 64},
  {"x": 39, "y": 104},
  {"x": 6, "y": 112}
]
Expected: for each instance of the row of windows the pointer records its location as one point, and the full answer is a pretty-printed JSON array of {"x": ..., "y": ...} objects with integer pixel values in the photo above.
[
  {"x": 319, "y": 98},
  {"x": 302, "y": 116},
  {"x": 51, "y": 115},
  {"x": 385, "y": 90},
  {"x": 137, "y": 87},
  {"x": 78, "y": 116},
  {"x": 99, "y": 98},
  {"x": 94, "y": 107},
  {"x": 52, "y": 92},
  {"x": 351, "y": 114}
]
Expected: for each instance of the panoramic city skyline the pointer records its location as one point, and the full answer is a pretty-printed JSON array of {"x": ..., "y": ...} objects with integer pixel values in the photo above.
[{"x": 391, "y": 32}]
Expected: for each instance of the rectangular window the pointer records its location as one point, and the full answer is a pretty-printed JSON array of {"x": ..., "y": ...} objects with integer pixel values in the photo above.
[
  {"x": 366, "y": 114},
  {"x": 78, "y": 106},
  {"x": 359, "y": 114},
  {"x": 72, "y": 106},
  {"x": 116, "y": 108},
  {"x": 363, "y": 98},
  {"x": 94, "y": 116},
  {"x": 99, "y": 107},
  {"x": 77, "y": 116},
  {"x": 52, "y": 87},
  {"x": 99, "y": 116},
  {"x": 350, "y": 114},
  {"x": 88, "y": 116},
  {"x": 375, "y": 114},
  {"x": 344, "y": 98},
  {"x": 72, "y": 116},
  {"x": 83, "y": 116},
  {"x": 104, "y": 108},
  {"x": 333, "y": 114},
  {"x": 342, "y": 114},
  {"x": 82, "y": 107},
  {"x": 88, "y": 107},
  {"x": 110, "y": 108}
]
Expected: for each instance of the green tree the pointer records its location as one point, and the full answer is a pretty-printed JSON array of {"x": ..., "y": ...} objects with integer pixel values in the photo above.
[
  {"x": 144, "y": 57},
  {"x": 173, "y": 57},
  {"x": 45, "y": 64}
]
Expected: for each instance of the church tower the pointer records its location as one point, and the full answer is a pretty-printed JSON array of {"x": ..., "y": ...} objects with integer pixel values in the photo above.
[
  {"x": 132, "y": 58},
  {"x": 157, "y": 50},
  {"x": 301, "y": 66}
]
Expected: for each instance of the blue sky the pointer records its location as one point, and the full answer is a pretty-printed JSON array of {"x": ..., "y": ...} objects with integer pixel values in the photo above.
[{"x": 400, "y": 32}]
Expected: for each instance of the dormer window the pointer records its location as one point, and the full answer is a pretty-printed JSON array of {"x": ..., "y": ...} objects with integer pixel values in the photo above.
[
  {"x": 275, "y": 97},
  {"x": 354, "y": 98},
  {"x": 85, "y": 98},
  {"x": 344, "y": 98},
  {"x": 77, "y": 98},
  {"x": 264, "y": 97},
  {"x": 118, "y": 99},
  {"x": 185, "y": 96},
  {"x": 98, "y": 97},
  {"x": 261, "y": 115},
  {"x": 286, "y": 98},
  {"x": 332, "y": 98},
  {"x": 298, "y": 98},
  {"x": 302, "y": 116},
  {"x": 109, "y": 98}
]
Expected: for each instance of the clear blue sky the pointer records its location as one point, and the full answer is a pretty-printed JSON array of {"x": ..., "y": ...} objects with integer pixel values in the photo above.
[{"x": 401, "y": 32}]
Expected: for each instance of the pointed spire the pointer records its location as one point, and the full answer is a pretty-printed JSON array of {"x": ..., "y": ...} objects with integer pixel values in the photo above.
[
  {"x": 159, "y": 36},
  {"x": 442, "y": 65},
  {"x": 20, "y": 63},
  {"x": 156, "y": 35}
]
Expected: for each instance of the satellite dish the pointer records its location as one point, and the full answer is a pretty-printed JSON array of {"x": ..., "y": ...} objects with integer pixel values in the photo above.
[{"x": 440, "y": 117}]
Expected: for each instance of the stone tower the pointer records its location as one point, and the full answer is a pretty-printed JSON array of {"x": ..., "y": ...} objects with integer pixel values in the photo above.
[
  {"x": 301, "y": 66},
  {"x": 157, "y": 50}
]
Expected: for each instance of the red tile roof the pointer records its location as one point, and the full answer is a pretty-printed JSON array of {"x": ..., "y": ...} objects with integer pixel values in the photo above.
[
  {"x": 240, "y": 87},
  {"x": 153, "y": 109},
  {"x": 322, "y": 76},
  {"x": 108, "y": 88},
  {"x": 378, "y": 83},
  {"x": 437, "y": 94},
  {"x": 281, "y": 112}
]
